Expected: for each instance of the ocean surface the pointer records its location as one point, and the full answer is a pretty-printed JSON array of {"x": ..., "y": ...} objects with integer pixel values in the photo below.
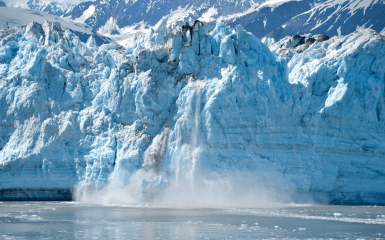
[{"x": 73, "y": 220}]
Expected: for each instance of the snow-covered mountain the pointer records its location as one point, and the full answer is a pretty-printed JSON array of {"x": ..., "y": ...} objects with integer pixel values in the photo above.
[
  {"x": 10, "y": 17},
  {"x": 306, "y": 118},
  {"x": 120, "y": 20},
  {"x": 270, "y": 16},
  {"x": 336, "y": 17},
  {"x": 125, "y": 20},
  {"x": 128, "y": 13},
  {"x": 55, "y": 7},
  {"x": 282, "y": 18}
]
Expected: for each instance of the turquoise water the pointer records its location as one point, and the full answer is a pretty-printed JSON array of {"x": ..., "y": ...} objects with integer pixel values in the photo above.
[{"x": 71, "y": 220}]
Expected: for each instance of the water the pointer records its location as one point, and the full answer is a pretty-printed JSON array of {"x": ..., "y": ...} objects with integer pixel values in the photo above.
[{"x": 71, "y": 220}]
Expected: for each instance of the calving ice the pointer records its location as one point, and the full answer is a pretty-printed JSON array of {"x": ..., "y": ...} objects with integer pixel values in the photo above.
[{"x": 219, "y": 115}]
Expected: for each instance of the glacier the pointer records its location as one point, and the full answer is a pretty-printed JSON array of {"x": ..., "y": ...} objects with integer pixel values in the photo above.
[
  {"x": 301, "y": 118},
  {"x": 8, "y": 19}
]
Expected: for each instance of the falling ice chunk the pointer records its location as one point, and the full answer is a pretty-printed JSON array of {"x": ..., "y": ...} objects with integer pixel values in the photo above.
[{"x": 337, "y": 215}]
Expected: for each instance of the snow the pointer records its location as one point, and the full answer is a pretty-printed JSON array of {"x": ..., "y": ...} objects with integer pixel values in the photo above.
[
  {"x": 339, "y": 31},
  {"x": 321, "y": 16},
  {"x": 109, "y": 28},
  {"x": 91, "y": 42},
  {"x": 57, "y": 7},
  {"x": 131, "y": 14},
  {"x": 338, "y": 7},
  {"x": 275, "y": 3},
  {"x": 24, "y": 3},
  {"x": 86, "y": 14},
  {"x": 208, "y": 16},
  {"x": 10, "y": 17},
  {"x": 25, "y": 16},
  {"x": 17, "y": 4},
  {"x": 218, "y": 117}
]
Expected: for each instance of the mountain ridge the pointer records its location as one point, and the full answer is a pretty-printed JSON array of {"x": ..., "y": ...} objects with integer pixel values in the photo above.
[{"x": 26, "y": 16}]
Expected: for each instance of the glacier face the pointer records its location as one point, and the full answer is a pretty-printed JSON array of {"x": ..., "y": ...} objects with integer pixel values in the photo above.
[{"x": 305, "y": 117}]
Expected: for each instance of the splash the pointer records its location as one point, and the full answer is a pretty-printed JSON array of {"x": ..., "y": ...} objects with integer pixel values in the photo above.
[{"x": 172, "y": 174}]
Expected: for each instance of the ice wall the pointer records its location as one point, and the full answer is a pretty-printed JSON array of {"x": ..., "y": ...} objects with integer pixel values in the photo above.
[{"x": 305, "y": 119}]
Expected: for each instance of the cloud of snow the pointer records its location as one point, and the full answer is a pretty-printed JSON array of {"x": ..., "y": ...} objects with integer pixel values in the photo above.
[{"x": 215, "y": 190}]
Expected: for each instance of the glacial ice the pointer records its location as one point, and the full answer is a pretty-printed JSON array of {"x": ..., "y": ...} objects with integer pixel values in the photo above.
[
  {"x": 307, "y": 121},
  {"x": 13, "y": 17}
]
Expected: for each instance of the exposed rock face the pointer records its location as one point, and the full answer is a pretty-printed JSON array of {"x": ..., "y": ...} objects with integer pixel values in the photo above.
[
  {"x": 310, "y": 121},
  {"x": 129, "y": 13},
  {"x": 334, "y": 18}
]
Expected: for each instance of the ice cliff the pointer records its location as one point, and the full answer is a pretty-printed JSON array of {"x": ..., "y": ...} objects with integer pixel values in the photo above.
[{"x": 305, "y": 117}]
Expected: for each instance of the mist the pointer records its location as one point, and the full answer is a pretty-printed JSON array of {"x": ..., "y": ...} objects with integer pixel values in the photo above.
[{"x": 210, "y": 190}]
